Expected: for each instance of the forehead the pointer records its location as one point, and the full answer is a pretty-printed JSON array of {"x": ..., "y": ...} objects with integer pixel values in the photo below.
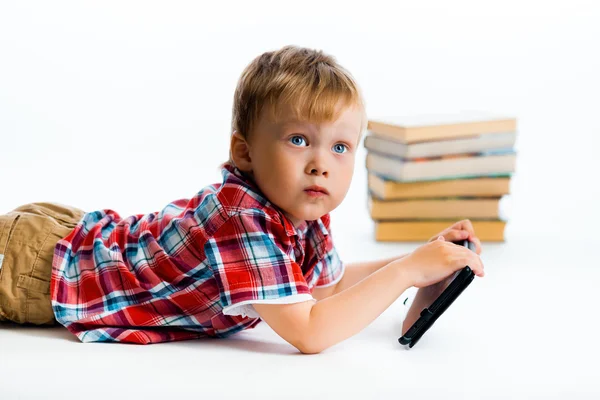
[{"x": 349, "y": 115}]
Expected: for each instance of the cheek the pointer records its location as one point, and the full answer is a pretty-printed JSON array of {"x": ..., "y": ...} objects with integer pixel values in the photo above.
[
  {"x": 346, "y": 166},
  {"x": 346, "y": 172},
  {"x": 285, "y": 163},
  {"x": 278, "y": 170}
]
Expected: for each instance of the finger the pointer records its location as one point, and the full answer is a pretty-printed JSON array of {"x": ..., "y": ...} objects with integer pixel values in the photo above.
[
  {"x": 440, "y": 237},
  {"x": 477, "y": 243},
  {"x": 466, "y": 225},
  {"x": 456, "y": 235},
  {"x": 477, "y": 265},
  {"x": 442, "y": 233},
  {"x": 434, "y": 238},
  {"x": 472, "y": 260}
]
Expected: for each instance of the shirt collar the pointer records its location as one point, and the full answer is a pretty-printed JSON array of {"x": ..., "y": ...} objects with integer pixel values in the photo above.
[{"x": 317, "y": 226}]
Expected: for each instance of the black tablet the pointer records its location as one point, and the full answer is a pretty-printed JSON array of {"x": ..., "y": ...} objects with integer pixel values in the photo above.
[{"x": 462, "y": 279}]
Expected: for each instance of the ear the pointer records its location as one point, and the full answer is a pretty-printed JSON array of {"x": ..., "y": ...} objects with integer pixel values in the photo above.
[{"x": 240, "y": 152}]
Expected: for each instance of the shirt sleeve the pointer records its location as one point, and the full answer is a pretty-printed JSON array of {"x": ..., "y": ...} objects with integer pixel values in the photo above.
[
  {"x": 252, "y": 260},
  {"x": 331, "y": 267}
]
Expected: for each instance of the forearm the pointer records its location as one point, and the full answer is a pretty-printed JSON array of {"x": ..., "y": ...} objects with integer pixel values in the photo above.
[
  {"x": 356, "y": 272},
  {"x": 346, "y": 313}
]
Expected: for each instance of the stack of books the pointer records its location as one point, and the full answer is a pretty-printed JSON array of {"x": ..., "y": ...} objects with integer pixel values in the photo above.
[{"x": 426, "y": 173}]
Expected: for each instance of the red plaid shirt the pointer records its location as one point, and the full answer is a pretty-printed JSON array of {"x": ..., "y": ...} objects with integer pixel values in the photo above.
[{"x": 192, "y": 270}]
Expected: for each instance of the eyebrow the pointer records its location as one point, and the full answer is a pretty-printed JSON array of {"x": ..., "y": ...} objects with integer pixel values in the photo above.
[
  {"x": 292, "y": 122},
  {"x": 285, "y": 123}
]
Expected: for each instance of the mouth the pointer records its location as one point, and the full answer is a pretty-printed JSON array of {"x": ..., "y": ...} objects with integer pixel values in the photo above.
[{"x": 316, "y": 190}]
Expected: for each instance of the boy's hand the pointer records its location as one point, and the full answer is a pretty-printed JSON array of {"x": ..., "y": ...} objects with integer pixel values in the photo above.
[
  {"x": 460, "y": 231},
  {"x": 437, "y": 261},
  {"x": 433, "y": 280},
  {"x": 432, "y": 292}
]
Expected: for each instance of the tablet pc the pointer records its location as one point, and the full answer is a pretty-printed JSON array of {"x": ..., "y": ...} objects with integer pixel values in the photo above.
[{"x": 462, "y": 279}]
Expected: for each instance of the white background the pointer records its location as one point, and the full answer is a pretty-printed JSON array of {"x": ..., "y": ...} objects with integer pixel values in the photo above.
[{"x": 127, "y": 105}]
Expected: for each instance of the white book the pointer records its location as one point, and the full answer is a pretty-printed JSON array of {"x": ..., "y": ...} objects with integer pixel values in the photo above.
[
  {"x": 491, "y": 163},
  {"x": 475, "y": 144}
]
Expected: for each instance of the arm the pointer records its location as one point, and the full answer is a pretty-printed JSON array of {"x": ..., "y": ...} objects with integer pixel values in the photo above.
[
  {"x": 312, "y": 328},
  {"x": 356, "y": 272}
]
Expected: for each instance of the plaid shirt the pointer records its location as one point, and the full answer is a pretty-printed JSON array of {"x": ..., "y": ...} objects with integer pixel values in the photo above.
[{"x": 192, "y": 270}]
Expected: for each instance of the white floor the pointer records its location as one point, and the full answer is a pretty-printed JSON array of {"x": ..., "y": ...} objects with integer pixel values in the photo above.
[{"x": 523, "y": 331}]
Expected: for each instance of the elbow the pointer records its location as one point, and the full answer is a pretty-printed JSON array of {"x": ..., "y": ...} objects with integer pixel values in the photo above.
[
  {"x": 310, "y": 340},
  {"x": 308, "y": 350},
  {"x": 308, "y": 346}
]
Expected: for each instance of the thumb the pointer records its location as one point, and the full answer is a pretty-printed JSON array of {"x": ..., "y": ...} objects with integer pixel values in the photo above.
[{"x": 440, "y": 238}]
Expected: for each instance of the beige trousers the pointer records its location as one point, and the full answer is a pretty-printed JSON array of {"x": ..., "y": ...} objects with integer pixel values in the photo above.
[{"x": 28, "y": 235}]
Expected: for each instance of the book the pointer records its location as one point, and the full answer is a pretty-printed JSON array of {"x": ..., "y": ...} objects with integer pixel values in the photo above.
[
  {"x": 441, "y": 208},
  {"x": 386, "y": 189},
  {"x": 411, "y": 129},
  {"x": 416, "y": 231},
  {"x": 474, "y": 144},
  {"x": 488, "y": 163}
]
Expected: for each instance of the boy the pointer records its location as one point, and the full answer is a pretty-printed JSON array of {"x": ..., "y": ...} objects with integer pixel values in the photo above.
[{"x": 257, "y": 246}]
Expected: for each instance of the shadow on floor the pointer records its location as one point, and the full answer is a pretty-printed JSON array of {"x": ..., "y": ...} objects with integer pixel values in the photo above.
[
  {"x": 58, "y": 331},
  {"x": 241, "y": 341}
]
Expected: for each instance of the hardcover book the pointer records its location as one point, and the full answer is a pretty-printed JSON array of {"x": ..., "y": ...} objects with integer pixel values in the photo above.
[{"x": 411, "y": 129}]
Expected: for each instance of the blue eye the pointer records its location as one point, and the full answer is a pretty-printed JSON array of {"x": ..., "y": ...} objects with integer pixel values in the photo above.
[
  {"x": 343, "y": 146},
  {"x": 296, "y": 143}
]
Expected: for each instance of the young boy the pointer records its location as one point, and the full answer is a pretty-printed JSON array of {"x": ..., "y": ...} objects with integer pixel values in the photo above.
[{"x": 257, "y": 246}]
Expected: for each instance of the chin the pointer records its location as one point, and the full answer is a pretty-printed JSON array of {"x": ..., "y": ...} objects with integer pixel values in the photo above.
[
  {"x": 313, "y": 216},
  {"x": 310, "y": 213}
]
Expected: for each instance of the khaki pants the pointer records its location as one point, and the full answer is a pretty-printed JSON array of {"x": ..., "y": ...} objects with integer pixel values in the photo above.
[{"x": 28, "y": 235}]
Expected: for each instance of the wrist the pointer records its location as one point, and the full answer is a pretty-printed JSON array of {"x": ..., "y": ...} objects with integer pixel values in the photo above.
[{"x": 404, "y": 271}]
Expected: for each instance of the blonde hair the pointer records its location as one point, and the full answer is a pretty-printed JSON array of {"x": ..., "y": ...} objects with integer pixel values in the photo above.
[{"x": 311, "y": 82}]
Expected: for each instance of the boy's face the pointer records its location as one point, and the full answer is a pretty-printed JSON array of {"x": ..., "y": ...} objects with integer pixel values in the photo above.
[{"x": 287, "y": 157}]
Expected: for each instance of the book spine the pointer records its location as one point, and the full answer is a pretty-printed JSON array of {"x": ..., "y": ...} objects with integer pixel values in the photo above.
[
  {"x": 431, "y": 209},
  {"x": 475, "y": 187},
  {"x": 410, "y": 231}
]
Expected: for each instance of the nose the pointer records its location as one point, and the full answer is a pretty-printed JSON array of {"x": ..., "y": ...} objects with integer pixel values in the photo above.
[
  {"x": 316, "y": 171},
  {"x": 317, "y": 167}
]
